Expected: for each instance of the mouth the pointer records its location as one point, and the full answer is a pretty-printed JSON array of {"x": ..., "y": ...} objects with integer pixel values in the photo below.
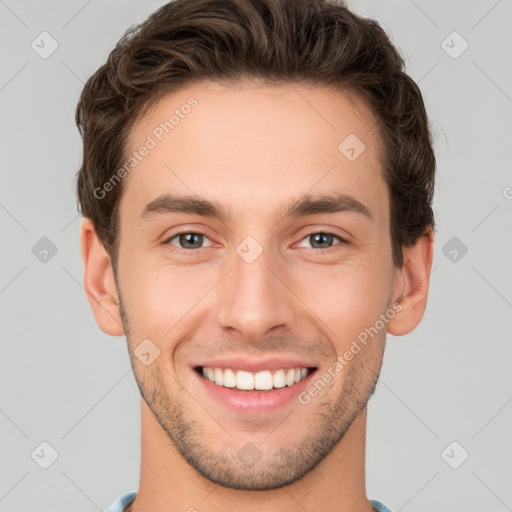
[
  {"x": 265, "y": 380},
  {"x": 247, "y": 393}
]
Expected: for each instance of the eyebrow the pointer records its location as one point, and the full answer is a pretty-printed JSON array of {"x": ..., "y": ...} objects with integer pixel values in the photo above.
[{"x": 306, "y": 205}]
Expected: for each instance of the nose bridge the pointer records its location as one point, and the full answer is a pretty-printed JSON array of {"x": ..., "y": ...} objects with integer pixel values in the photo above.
[{"x": 253, "y": 299}]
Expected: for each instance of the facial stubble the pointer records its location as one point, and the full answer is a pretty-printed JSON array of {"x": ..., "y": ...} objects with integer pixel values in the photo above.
[{"x": 329, "y": 420}]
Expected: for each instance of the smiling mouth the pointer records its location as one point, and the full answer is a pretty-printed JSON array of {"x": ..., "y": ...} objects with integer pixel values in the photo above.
[{"x": 262, "y": 381}]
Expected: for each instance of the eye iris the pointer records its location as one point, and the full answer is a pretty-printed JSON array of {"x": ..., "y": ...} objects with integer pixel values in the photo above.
[
  {"x": 187, "y": 240},
  {"x": 323, "y": 239}
]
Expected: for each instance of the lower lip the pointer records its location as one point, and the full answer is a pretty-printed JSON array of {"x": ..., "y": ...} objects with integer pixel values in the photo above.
[{"x": 248, "y": 402}]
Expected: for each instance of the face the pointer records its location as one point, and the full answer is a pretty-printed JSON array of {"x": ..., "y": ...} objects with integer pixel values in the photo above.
[{"x": 253, "y": 244}]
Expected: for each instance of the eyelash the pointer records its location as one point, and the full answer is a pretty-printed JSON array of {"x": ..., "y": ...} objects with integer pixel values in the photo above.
[{"x": 328, "y": 250}]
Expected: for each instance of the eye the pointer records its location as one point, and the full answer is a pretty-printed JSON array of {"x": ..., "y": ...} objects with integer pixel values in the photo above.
[
  {"x": 188, "y": 240},
  {"x": 323, "y": 240},
  {"x": 194, "y": 240}
]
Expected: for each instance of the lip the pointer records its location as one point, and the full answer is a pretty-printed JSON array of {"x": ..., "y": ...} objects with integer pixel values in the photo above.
[
  {"x": 253, "y": 402},
  {"x": 256, "y": 365}
]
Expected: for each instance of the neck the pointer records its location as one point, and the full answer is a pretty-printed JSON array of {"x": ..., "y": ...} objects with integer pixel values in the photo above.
[{"x": 168, "y": 483}]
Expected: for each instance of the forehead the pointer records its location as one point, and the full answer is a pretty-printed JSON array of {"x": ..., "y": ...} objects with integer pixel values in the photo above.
[{"x": 251, "y": 144}]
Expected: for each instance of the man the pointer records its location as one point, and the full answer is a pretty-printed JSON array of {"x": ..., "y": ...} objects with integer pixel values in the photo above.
[{"x": 257, "y": 184}]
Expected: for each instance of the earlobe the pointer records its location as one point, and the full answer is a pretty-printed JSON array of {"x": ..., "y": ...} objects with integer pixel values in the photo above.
[
  {"x": 413, "y": 282},
  {"x": 99, "y": 281}
]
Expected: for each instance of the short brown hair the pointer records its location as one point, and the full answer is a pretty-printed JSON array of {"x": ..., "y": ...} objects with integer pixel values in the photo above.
[{"x": 311, "y": 41}]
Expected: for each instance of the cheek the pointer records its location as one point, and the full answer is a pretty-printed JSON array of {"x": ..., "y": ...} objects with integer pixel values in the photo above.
[
  {"x": 157, "y": 294},
  {"x": 346, "y": 299}
]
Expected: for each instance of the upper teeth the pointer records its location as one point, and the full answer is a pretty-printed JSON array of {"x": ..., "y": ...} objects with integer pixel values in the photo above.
[{"x": 260, "y": 380}]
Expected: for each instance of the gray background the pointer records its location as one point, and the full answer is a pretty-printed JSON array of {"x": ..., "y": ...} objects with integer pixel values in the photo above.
[{"x": 62, "y": 381}]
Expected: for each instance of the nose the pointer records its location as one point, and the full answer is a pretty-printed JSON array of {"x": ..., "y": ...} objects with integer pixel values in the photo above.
[{"x": 256, "y": 298}]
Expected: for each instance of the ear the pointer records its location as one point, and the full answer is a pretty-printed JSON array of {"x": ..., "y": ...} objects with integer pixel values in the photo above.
[
  {"x": 99, "y": 281},
  {"x": 411, "y": 285}
]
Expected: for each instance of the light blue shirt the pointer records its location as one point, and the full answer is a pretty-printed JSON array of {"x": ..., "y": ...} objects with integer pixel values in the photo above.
[{"x": 126, "y": 498}]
